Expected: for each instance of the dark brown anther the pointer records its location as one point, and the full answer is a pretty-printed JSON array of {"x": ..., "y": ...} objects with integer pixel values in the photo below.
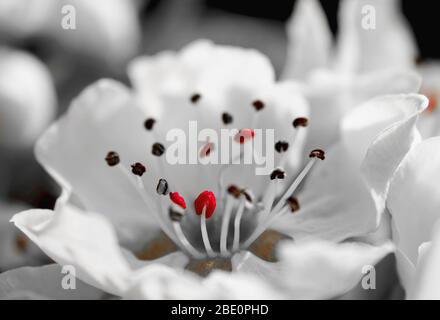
[
  {"x": 317, "y": 153},
  {"x": 149, "y": 123},
  {"x": 195, "y": 98},
  {"x": 138, "y": 169},
  {"x": 162, "y": 187},
  {"x": 175, "y": 214},
  {"x": 281, "y": 146},
  {"x": 227, "y": 118},
  {"x": 300, "y": 122},
  {"x": 112, "y": 158},
  {"x": 234, "y": 191},
  {"x": 293, "y": 204},
  {"x": 277, "y": 174},
  {"x": 158, "y": 149},
  {"x": 258, "y": 105}
]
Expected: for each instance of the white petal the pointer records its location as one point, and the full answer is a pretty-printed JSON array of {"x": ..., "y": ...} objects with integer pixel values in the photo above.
[
  {"x": 320, "y": 270},
  {"x": 43, "y": 283},
  {"x": 160, "y": 282},
  {"x": 84, "y": 240},
  {"x": 27, "y": 98},
  {"x": 382, "y": 131},
  {"x": 176, "y": 260},
  {"x": 102, "y": 119},
  {"x": 309, "y": 40},
  {"x": 333, "y": 95},
  {"x": 414, "y": 196},
  {"x": 367, "y": 45},
  {"x": 335, "y": 203},
  {"x": 426, "y": 283},
  {"x": 13, "y": 254}
]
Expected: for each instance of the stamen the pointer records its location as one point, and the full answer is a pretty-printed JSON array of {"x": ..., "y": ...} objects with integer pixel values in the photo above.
[
  {"x": 204, "y": 231},
  {"x": 138, "y": 169},
  {"x": 112, "y": 158},
  {"x": 176, "y": 217},
  {"x": 205, "y": 206},
  {"x": 237, "y": 220},
  {"x": 293, "y": 203},
  {"x": 277, "y": 174},
  {"x": 195, "y": 98},
  {"x": 227, "y": 118},
  {"x": 158, "y": 149},
  {"x": 162, "y": 187},
  {"x": 300, "y": 122},
  {"x": 178, "y": 199},
  {"x": 281, "y": 146},
  {"x": 244, "y": 135},
  {"x": 232, "y": 193},
  {"x": 205, "y": 200},
  {"x": 279, "y": 209},
  {"x": 149, "y": 123},
  {"x": 258, "y": 105},
  {"x": 205, "y": 151}
]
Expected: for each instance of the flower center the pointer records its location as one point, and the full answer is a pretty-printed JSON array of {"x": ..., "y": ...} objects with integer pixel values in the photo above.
[{"x": 212, "y": 228}]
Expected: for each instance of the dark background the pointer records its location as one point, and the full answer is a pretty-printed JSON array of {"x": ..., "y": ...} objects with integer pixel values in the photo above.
[{"x": 423, "y": 18}]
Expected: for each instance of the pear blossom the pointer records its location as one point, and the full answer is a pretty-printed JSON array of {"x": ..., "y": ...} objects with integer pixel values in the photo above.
[
  {"x": 99, "y": 27},
  {"x": 408, "y": 191},
  {"x": 361, "y": 64},
  {"x": 23, "y": 117},
  {"x": 135, "y": 226}
]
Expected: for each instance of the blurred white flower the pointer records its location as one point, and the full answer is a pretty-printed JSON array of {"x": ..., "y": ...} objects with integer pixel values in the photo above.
[
  {"x": 27, "y": 98},
  {"x": 107, "y": 30},
  {"x": 205, "y": 82},
  {"x": 429, "y": 124},
  {"x": 362, "y": 64}
]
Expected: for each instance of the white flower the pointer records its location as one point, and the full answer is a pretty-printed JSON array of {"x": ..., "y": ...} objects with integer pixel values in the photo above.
[
  {"x": 106, "y": 213},
  {"x": 27, "y": 98},
  {"x": 408, "y": 190},
  {"x": 364, "y": 63},
  {"x": 107, "y": 30}
]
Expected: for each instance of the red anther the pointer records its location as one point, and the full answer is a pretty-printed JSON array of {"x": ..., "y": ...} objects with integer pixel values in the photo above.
[
  {"x": 244, "y": 134},
  {"x": 205, "y": 199},
  {"x": 206, "y": 150},
  {"x": 178, "y": 199}
]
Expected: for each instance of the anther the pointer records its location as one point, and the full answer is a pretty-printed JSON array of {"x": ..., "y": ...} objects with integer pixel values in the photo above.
[
  {"x": 258, "y": 105},
  {"x": 244, "y": 134},
  {"x": 138, "y": 169},
  {"x": 293, "y": 203},
  {"x": 195, "y": 98},
  {"x": 277, "y": 174},
  {"x": 112, "y": 158},
  {"x": 300, "y": 122},
  {"x": 206, "y": 150},
  {"x": 149, "y": 123},
  {"x": 281, "y": 146},
  {"x": 178, "y": 199},
  {"x": 234, "y": 191},
  {"x": 158, "y": 149},
  {"x": 162, "y": 187},
  {"x": 227, "y": 118},
  {"x": 207, "y": 200},
  {"x": 317, "y": 153}
]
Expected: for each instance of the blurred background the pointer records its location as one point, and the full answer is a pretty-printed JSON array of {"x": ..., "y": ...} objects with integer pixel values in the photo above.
[{"x": 109, "y": 33}]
